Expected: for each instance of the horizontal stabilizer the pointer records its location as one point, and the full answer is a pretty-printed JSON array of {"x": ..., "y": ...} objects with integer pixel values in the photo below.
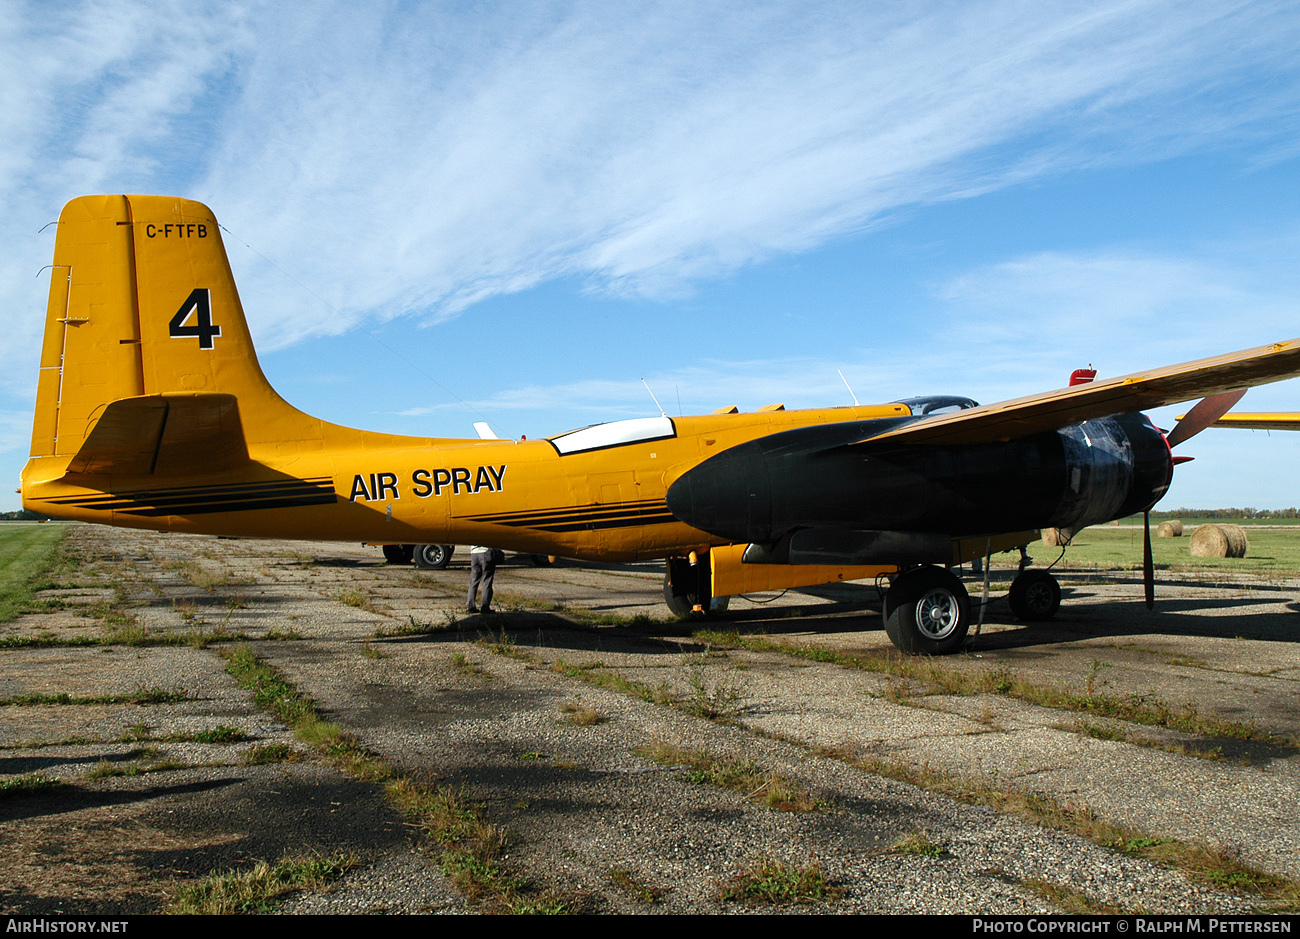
[
  {"x": 164, "y": 435},
  {"x": 1141, "y": 391}
]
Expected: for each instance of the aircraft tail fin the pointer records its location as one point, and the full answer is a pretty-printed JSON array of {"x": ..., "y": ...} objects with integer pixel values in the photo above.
[{"x": 147, "y": 362}]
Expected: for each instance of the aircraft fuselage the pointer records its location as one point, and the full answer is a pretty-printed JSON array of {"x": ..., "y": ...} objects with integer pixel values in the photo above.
[
  {"x": 604, "y": 503},
  {"x": 719, "y": 479}
]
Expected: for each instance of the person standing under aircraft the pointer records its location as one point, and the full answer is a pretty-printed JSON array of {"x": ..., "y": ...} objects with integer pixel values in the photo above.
[{"x": 482, "y": 569}]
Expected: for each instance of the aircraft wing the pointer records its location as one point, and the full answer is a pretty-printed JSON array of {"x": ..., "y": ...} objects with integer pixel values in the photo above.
[
  {"x": 1260, "y": 420},
  {"x": 1140, "y": 391}
]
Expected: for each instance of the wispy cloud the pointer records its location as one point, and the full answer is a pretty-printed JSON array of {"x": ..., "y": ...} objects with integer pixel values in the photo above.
[
  {"x": 107, "y": 96},
  {"x": 415, "y": 159},
  {"x": 1128, "y": 309},
  {"x": 644, "y": 148},
  {"x": 703, "y": 387},
  {"x": 994, "y": 332}
]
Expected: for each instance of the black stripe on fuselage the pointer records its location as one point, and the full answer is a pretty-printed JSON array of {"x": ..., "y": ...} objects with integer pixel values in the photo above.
[
  {"x": 621, "y": 507},
  {"x": 584, "y": 518},
  {"x": 205, "y": 500}
]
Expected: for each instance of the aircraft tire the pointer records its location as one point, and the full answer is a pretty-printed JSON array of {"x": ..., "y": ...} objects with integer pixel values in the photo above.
[
  {"x": 682, "y": 607},
  {"x": 433, "y": 557},
  {"x": 679, "y": 606},
  {"x": 542, "y": 560},
  {"x": 1035, "y": 596},
  {"x": 927, "y": 612},
  {"x": 399, "y": 553}
]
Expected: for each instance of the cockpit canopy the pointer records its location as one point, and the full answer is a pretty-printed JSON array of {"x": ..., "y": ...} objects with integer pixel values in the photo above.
[
  {"x": 937, "y": 404},
  {"x": 614, "y": 434}
]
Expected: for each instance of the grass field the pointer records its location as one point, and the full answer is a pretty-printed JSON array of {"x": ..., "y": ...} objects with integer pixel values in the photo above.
[
  {"x": 27, "y": 551},
  {"x": 1272, "y": 550},
  {"x": 1194, "y": 520}
]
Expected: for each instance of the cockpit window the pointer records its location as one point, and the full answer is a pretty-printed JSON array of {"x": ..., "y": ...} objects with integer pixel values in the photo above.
[
  {"x": 614, "y": 434},
  {"x": 926, "y": 405}
]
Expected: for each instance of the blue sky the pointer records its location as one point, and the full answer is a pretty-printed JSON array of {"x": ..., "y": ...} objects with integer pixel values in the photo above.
[{"x": 442, "y": 213}]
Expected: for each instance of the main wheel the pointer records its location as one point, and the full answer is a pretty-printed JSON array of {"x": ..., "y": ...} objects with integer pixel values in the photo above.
[
  {"x": 433, "y": 557},
  {"x": 684, "y": 606},
  {"x": 542, "y": 560},
  {"x": 927, "y": 611},
  {"x": 1035, "y": 596},
  {"x": 679, "y": 606},
  {"x": 399, "y": 553}
]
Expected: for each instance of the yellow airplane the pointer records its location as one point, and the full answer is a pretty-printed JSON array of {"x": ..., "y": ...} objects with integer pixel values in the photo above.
[{"x": 152, "y": 412}]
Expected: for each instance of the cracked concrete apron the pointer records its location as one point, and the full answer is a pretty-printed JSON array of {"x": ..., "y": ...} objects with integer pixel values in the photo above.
[{"x": 490, "y": 707}]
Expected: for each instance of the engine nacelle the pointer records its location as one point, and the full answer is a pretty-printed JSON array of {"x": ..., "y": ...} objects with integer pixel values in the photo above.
[{"x": 822, "y": 477}]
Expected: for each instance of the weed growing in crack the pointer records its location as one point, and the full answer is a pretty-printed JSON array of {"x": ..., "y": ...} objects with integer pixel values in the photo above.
[
  {"x": 999, "y": 680},
  {"x": 221, "y": 734},
  {"x": 502, "y": 644},
  {"x": 354, "y": 597},
  {"x": 920, "y": 844},
  {"x": 575, "y": 712},
  {"x": 268, "y": 753},
  {"x": 1068, "y": 900},
  {"x": 1094, "y": 672},
  {"x": 717, "y": 700},
  {"x": 472, "y": 850},
  {"x": 31, "y": 784},
  {"x": 462, "y": 663},
  {"x": 743, "y": 776},
  {"x": 769, "y": 882},
  {"x": 632, "y": 885},
  {"x": 257, "y": 890}
]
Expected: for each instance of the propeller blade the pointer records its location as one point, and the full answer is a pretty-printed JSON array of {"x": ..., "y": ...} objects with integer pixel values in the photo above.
[
  {"x": 1148, "y": 564},
  {"x": 1207, "y": 411}
]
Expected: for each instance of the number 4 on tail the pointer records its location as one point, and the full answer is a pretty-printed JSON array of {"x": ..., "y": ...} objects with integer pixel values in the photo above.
[{"x": 199, "y": 303}]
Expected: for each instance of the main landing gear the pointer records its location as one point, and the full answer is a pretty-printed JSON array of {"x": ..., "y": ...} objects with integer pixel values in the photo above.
[
  {"x": 1035, "y": 596},
  {"x": 429, "y": 557},
  {"x": 433, "y": 557},
  {"x": 688, "y": 587},
  {"x": 927, "y": 609},
  {"x": 436, "y": 557},
  {"x": 399, "y": 553}
]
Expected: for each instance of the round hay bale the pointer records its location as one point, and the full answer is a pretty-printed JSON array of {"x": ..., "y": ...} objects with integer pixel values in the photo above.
[
  {"x": 1057, "y": 537},
  {"x": 1170, "y": 529},
  {"x": 1219, "y": 541},
  {"x": 1239, "y": 542}
]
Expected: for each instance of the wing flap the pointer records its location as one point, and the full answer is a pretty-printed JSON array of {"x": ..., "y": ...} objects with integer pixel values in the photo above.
[{"x": 1141, "y": 391}]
